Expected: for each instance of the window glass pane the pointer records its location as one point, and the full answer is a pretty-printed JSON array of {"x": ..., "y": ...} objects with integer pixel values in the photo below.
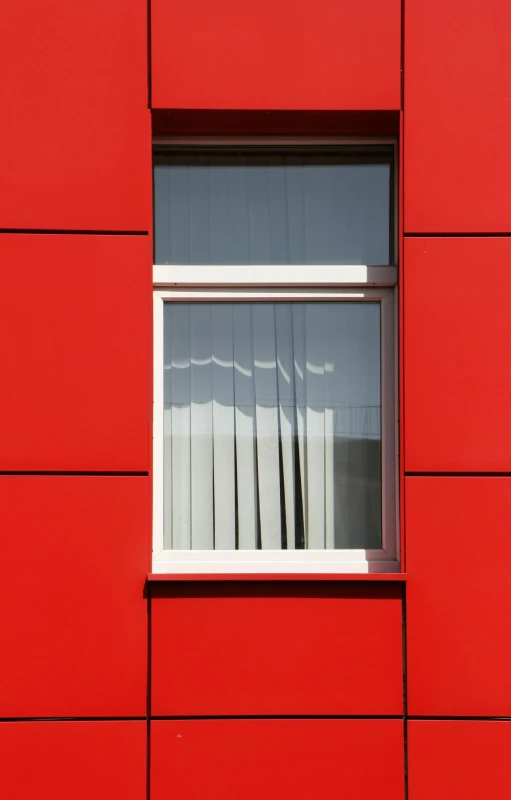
[
  {"x": 272, "y": 426},
  {"x": 267, "y": 207}
]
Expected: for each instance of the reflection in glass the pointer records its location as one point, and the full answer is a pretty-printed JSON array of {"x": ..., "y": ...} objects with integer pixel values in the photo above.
[{"x": 272, "y": 426}]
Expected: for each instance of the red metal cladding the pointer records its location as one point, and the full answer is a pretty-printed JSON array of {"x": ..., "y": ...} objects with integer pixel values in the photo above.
[
  {"x": 250, "y": 759},
  {"x": 79, "y": 760},
  {"x": 74, "y": 349},
  {"x": 457, "y": 342},
  {"x": 75, "y": 139},
  {"x": 74, "y": 552},
  {"x": 276, "y": 650},
  {"x": 276, "y": 54},
  {"x": 458, "y": 596},
  {"x": 462, "y": 759},
  {"x": 458, "y": 116}
]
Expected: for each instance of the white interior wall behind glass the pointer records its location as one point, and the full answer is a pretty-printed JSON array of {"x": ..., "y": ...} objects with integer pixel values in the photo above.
[{"x": 261, "y": 208}]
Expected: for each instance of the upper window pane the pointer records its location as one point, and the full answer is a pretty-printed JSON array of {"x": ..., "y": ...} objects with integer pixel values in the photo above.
[{"x": 273, "y": 206}]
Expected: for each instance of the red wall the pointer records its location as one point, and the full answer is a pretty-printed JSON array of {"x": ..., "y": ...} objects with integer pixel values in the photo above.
[
  {"x": 276, "y": 54},
  {"x": 457, "y": 122},
  {"x": 277, "y": 758},
  {"x": 264, "y": 643},
  {"x": 233, "y": 689},
  {"x": 457, "y": 116},
  {"x": 76, "y": 131},
  {"x": 75, "y": 332}
]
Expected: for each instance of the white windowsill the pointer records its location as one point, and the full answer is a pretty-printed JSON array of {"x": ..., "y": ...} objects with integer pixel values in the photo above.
[{"x": 202, "y": 562}]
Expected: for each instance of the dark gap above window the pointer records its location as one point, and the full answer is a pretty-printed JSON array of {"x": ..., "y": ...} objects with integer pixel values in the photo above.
[{"x": 199, "y": 122}]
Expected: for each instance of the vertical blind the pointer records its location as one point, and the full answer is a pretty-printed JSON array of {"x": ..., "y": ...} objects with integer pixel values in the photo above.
[
  {"x": 272, "y": 425},
  {"x": 265, "y": 207}
]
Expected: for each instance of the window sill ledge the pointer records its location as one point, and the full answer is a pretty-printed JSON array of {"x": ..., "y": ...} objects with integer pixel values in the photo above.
[{"x": 155, "y": 577}]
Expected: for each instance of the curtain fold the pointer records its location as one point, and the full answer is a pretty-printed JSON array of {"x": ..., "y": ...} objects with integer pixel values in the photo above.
[
  {"x": 245, "y": 426},
  {"x": 272, "y": 433},
  {"x": 201, "y": 427},
  {"x": 224, "y": 430}
]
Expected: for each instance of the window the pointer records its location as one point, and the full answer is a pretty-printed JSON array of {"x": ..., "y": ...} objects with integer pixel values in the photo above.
[{"x": 274, "y": 346}]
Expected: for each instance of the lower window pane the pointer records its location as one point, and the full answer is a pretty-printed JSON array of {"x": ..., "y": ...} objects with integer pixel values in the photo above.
[{"x": 272, "y": 426}]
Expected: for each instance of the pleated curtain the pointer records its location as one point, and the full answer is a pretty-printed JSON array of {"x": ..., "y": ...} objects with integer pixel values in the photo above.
[
  {"x": 271, "y": 209},
  {"x": 272, "y": 432}
]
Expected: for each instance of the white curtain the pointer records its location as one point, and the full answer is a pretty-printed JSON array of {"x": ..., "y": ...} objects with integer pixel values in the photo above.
[
  {"x": 272, "y": 426},
  {"x": 264, "y": 209}
]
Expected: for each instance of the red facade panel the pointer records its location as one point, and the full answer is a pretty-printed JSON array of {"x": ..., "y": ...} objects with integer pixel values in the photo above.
[
  {"x": 230, "y": 759},
  {"x": 458, "y": 116},
  {"x": 75, "y": 139},
  {"x": 458, "y": 596},
  {"x": 465, "y": 759},
  {"x": 276, "y": 650},
  {"x": 74, "y": 552},
  {"x": 276, "y": 54},
  {"x": 457, "y": 341},
  {"x": 74, "y": 349},
  {"x": 60, "y": 760}
]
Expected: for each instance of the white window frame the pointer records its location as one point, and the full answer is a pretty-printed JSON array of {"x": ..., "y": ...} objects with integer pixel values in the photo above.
[
  {"x": 232, "y": 284},
  {"x": 354, "y": 283}
]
